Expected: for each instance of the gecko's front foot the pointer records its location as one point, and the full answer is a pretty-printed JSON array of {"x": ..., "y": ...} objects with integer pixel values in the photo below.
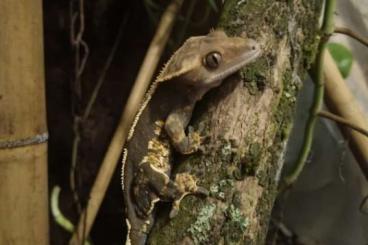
[{"x": 189, "y": 144}]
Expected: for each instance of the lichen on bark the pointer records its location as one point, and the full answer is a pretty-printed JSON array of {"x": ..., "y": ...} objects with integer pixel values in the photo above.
[{"x": 246, "y": 123}]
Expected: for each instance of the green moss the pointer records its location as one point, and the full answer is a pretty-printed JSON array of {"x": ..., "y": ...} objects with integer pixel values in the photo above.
[
  {"x": 309, "y": 23},
  {"x": 264, "y": 209},
  {"x": 222, "y": 190},
  {"x": 230, "y": 157},
  {"x": 201, "y": 228},
  {"x": 237, "y": 199},
  {"x": 245, "y": 12},
  {"x": 254, "y": 155},
  {"x": 182, "y": 221},
  {"x": 278, "y": 22},
  {"x": 254, "y": 76},
  {"x": 251, "y": 161},
  {"x": 283, "y": 113},
  {"x": 226, "y": 151},
  {"x": 234, "y": 226}
]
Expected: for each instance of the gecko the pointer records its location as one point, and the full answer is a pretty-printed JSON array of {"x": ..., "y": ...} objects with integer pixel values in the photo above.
[{"x": 160, "y": 127}]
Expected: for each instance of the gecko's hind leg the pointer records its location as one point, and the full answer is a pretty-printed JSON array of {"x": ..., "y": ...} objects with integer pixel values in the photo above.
[
  {"x": 187, "y": 184},
  {"x": 143, "y": 195},
  {"x": 151, "y": 186}
]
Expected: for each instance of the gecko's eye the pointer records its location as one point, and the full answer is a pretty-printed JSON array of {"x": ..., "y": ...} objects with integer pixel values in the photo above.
[{"x": 212, "y": 60}]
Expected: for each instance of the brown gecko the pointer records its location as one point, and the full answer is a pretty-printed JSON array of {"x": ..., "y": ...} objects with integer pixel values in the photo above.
[{"x": 201, "y": 64}]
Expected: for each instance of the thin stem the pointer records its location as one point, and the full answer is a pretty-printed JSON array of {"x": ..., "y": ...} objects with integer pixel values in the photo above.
[
  {"x": 343, "y": 121},
  {"x": 328, "y": 20},
  {"x": 350, "y": 33},
  {"x": 327, "y": 29},
  {"x": 58, "y": 216},
  {"x": 81, "y": 53}
]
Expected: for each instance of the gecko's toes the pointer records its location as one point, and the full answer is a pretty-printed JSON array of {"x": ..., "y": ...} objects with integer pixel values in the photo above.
[
  {"x": 176, "y": 204},
  {"x": 195, "y": 141}
]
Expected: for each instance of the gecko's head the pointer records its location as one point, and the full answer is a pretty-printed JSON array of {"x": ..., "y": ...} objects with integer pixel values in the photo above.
[{"x": 207, "y": 60}]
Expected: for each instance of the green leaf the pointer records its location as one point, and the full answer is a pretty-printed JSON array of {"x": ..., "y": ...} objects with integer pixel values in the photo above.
[{"x": 342, "y": 56}]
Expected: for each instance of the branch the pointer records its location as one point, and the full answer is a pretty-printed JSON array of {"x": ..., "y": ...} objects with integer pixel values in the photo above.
[
  {"x": 81, "y": 53},
  {"x": 343, "y": 121},
  {"x": 350, "y": 33}
]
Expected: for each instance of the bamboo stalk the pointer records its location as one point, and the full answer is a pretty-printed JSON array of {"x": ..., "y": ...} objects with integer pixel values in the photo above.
[
  {"x": 113, "y": 153},
  {"x": 341, "y": 101},
  {"x": 23, "y": 132}
]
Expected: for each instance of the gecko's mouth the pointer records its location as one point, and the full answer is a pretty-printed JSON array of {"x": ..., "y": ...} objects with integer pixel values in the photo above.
[{"x": 233, "y": 66}]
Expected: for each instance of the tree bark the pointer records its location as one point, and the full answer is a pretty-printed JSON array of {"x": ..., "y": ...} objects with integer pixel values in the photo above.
[
  {"x": 23, "y": 151},
  {"x": 246, "y": 123}
]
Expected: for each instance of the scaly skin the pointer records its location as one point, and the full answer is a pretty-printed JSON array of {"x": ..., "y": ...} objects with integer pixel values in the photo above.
[{"x": 201, "y": 64}]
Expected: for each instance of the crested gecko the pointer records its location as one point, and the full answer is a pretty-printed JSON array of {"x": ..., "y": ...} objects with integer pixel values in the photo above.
[{"x": 159, "y": 127}]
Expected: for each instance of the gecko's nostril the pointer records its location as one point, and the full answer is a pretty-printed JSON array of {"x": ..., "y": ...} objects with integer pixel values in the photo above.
[{"x": 253, "y": 47}]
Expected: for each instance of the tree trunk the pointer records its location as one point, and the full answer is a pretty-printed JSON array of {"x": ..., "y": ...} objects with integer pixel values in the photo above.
[
  {"x": 23, "y": 151},
  {"x": 246, "y": 123}
]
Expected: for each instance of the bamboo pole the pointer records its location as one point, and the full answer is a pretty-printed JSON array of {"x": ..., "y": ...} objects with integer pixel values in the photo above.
[
  {"x": 341, "y": 100},
  {"x": 23, "y": 132}
]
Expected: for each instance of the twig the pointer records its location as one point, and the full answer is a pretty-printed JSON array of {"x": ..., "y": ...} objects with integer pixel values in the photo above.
[
  {"x": 76, "y": 39},
  {"x": 350, "y": 33},
  {"x": 140, "y": 86},
  {"x": 74, "y": 160},
  {"x": 84, "y": 57},
  {"x": 327, "y": 29},
  {"x": 343, "y": 121}
]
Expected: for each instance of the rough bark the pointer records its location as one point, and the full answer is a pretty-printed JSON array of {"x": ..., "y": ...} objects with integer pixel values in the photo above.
[
  {"x": 246, "y": 123},
  {"x": 23, "y": 132}
]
